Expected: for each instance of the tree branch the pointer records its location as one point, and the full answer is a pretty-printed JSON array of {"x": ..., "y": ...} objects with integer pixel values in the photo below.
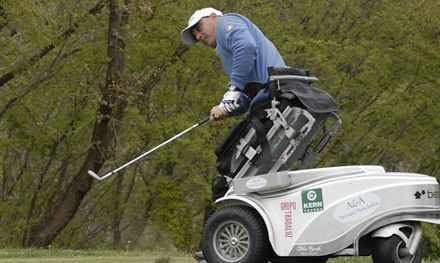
[{"x": 66, "y": 34}]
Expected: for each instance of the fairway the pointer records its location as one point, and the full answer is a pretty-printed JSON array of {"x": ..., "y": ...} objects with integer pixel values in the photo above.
[
  {"x": 82, "y": 256},
  {"x": 108, "y": 256},
  {"x": 102, "y": 259},
  {"x": 137, "y": 259},
  {"x": 100, "y": 256}
]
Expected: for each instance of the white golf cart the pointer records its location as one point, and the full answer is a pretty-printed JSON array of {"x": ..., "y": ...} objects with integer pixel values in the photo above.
[{"x": 272, "y": 214}]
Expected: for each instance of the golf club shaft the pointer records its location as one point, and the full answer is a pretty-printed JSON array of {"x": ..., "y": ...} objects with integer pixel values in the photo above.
[{"x": 148, "y": 152}]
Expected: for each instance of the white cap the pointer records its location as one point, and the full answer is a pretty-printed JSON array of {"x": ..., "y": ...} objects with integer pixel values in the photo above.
[{"x": 186, "y": 35}]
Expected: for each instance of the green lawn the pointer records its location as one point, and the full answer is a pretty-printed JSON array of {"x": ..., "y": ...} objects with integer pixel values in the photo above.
[
  {"x": 90, "y": 256},
  {"x": 94, "y": 256}
]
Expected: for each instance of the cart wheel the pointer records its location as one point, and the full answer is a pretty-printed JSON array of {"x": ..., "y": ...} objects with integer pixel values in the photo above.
[
  {"x": 235, "y": 234},
  {"x": 394, "y": 250}
]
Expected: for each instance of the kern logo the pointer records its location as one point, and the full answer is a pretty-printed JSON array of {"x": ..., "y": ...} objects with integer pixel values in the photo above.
[{"x": 312, "y": 200}]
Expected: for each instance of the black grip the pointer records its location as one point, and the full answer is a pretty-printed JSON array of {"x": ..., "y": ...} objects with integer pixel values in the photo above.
[{"x": 203, "y": 120}]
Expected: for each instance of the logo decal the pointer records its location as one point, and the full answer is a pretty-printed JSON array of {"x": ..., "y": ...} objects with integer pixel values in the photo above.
[
  {"x": 312, "y": 200},
  {"x": 256, "y": 183},
  {"x": 357, "y": 208},
  {"x": 426, "y": 194},
  {"x": 308, "y": 250},
  {"x": 287, "y": 208}
]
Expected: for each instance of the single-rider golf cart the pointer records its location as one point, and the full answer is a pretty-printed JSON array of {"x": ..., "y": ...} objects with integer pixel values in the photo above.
[{"x": 272, "y": 214}]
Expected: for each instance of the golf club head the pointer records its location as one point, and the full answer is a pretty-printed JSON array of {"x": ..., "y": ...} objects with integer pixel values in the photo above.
[{"x": 94, "y": 175}]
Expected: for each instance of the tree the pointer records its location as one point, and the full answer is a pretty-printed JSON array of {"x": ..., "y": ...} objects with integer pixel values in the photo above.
[{"x": 111, "y": 109}]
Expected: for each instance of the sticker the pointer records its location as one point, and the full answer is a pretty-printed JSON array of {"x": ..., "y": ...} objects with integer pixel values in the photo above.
[
  {"x": 229, "y": 27},
  {"x": 287, "y": 208},
  {"x": 256, "y": 183},
  {"x": 357, "y": 208},
  {"x": 312, "y": 200},
  {"x": 427, "y": 194},
  {"x": 309, "y": 250}
]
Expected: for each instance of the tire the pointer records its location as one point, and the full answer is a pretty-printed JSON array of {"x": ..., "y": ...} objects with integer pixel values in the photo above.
[
  {"x": 386, "y": 250},
  {"x": 235, "y": 234}
]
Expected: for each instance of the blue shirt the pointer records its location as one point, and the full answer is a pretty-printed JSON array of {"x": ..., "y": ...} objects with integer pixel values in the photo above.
[{"x": 245, "y": 52}]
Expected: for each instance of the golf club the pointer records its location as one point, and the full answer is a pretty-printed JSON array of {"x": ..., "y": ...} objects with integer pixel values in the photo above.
[{"x": 96, "y": 176}]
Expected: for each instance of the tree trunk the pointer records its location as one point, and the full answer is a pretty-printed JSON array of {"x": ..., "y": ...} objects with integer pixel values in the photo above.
[
  {"x": 111, "y": 108},
  {"x": 118, "y": 213}
]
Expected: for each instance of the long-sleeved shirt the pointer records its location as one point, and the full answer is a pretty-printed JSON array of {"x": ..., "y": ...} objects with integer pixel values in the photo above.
[{"x": 245, "y": 52}]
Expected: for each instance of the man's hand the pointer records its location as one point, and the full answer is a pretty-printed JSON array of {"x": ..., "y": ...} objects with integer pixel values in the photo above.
[{"x": 218, "y": 113}]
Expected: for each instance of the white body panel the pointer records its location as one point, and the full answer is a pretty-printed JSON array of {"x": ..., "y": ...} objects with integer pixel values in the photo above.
[{"x": 307, "y": 211}]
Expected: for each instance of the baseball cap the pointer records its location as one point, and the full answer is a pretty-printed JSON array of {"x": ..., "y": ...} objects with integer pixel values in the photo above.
[{"x": 186, "y": 35}]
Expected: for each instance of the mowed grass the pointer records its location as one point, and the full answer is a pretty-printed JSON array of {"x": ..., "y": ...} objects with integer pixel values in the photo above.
[
  {"x": 96, "y": 256},
  {"x": 91, "y": 256}
]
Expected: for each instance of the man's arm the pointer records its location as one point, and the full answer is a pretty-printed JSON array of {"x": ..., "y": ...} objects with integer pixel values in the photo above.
[{"x": 243, "y": 47}]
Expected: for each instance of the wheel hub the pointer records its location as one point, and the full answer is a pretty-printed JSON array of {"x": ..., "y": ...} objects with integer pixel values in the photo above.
[
  {"x": 231, "y": 241},
  {"x": 403, "y": 253},
  {"x": 234, "y": 241}
]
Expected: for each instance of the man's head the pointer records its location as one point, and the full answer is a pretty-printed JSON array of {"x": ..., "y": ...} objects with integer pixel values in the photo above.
[{"x": 201, "y": 27}]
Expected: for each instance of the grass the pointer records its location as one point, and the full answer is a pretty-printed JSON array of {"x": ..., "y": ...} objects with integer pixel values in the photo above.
[
  {"x": 101, "y": 256},
  {"x": 90, "y": 256}
]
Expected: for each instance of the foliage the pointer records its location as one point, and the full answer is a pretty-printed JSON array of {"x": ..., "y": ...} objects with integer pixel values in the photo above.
[{"x": 379, "y": 59}]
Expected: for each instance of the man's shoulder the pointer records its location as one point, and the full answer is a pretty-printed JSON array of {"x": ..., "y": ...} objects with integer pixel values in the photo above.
[
  {"x": 233, "y": 18},
  {"x": 231, "y": 21}
]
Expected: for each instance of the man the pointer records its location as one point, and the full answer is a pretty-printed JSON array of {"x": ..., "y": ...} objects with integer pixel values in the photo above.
[
  {"x": 245, "y": 54},
  {"x": 243, "y": 50}
]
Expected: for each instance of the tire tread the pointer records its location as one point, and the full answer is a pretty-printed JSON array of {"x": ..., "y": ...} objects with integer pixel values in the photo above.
[{"x": 249, "y": 218}]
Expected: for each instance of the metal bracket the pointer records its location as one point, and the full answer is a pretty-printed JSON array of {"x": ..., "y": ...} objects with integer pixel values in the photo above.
[{"x": 275, "y": 115}]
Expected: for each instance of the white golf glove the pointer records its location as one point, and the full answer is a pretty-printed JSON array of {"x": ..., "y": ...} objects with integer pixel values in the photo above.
[{"x": 235, "y": 102}]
